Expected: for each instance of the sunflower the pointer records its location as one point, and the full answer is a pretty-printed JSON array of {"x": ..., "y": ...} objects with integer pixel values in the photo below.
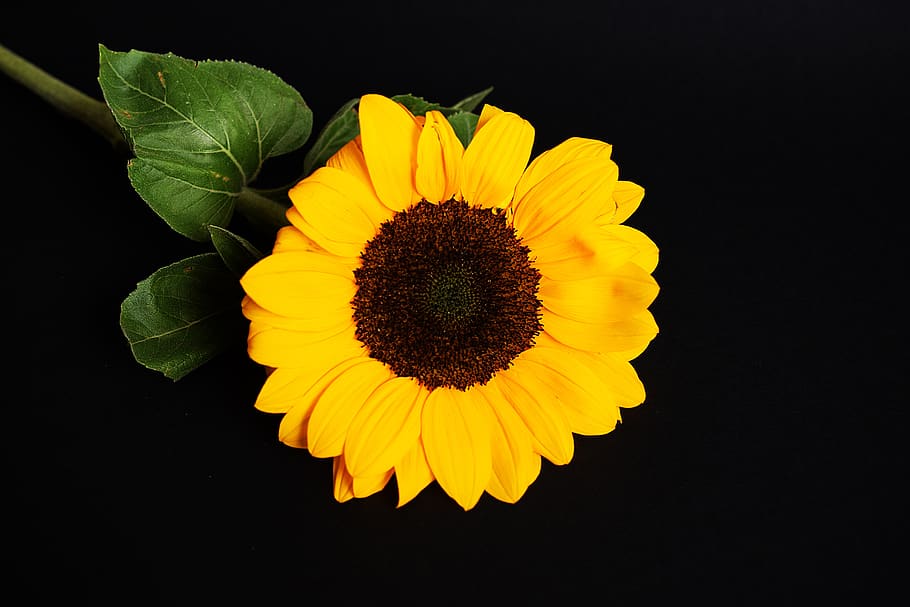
[{"x": 436, "y": 312}]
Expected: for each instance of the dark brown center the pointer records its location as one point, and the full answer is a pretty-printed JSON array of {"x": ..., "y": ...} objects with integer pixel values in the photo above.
[{"x": 446, "y": 294}]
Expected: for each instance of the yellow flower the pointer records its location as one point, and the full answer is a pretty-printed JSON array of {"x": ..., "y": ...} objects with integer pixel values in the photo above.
[{"x": 450, "y": 314}]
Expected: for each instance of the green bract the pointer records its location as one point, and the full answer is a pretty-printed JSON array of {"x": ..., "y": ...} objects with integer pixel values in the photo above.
[
  {"x": 236, "y": 252},
  {"x": 200, "y": 131},
  {"x": 464, "y": 124}
]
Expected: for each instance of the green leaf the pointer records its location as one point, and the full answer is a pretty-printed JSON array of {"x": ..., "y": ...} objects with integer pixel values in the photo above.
[
  {"x": 420, "y": 106},
  {"x": 200, "y": 131},
  {"x": 340, "y": 129},
  {"x": 417, "y": 105},
  {"x": 470, "y": 103},
  {"x": 464, "y": 124},
  {"x": 183, "y": 315},
  {"x": 236, "y": 252}
]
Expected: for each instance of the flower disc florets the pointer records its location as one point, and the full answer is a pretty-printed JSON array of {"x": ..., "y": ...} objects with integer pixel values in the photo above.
[{"x": 446, "y": 294}]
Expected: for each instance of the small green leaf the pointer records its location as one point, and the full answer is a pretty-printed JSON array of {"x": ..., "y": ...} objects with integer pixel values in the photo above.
[
  {"x": 469, "y": 103},
  {"x": 340, "y": 129},
  {"x": 236, "y": 252},
  {"x": 417, "y": 105},
  {"x": 420, "y": 106},
  {"x": 464, "y": 124},
  {"x": 200, "y": 131},
  {"x": 183, "y": 315}
]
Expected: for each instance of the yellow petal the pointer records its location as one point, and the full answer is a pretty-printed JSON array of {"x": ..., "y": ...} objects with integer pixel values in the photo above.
[
  {"x": 339, "y": 212},
  {"x": 628, "y": 334},
  {"x": 385, "y": 428},
  {"x": 300, "y": 284},
  {"x": 389, "y": 136},
  {"x": 368, "y": 485},
  {"x": 486, "y": 113},
  {"x": 621, "y": 378},
  {"x": 439, "y": 155},
  {"x": 560, "y": 378},
  {"x": 636, "y": 349},
  {"x": 343, "y": 486},
  {"x": 546, "y": 163},
  {"x": 646, "y": 252},
  {"x": 495, "y": 159},
  {"x": 589, "y": 253},
  {"x": 547, "y": 424},
  {"x": 279, "y": 392},
  {"x": 412, "y": 473},
  {"x": 515, "y": 464},
  {"x": 566, "y": 200},
  {"x": 293, "y": 427},
  {"x": 350, "y": 160},
  {"x": 287, "y": 386},
  {"x": 316, "y": 328},
  {"x": 289, "y": 239},
  {"x": 275, "y": 347},
  {"x": 339, "y": 403},
  {"x": 627, "y": 196},
  {"x": 622, "y": 293},
  {"x": 456, "y": 437},
  {"x": 345, "y": 253}
]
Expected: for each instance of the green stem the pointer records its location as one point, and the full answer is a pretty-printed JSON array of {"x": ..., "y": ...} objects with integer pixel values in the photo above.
[
  {"x": 64, "y": 97},
  {"x": 262, "y": 212}
]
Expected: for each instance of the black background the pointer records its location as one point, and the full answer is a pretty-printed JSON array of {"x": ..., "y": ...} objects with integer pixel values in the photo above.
[{"x": 766, "y": 461}]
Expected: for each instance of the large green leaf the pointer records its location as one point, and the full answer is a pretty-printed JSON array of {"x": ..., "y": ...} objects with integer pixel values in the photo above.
[
  {"x": 200, "y": 131},
  {"x": 183, "y": 315}
]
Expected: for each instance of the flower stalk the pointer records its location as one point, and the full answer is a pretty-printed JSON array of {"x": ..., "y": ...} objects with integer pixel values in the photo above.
[
  {"x": 263, "y": 212},
  {"x": 63, "y": 97}
]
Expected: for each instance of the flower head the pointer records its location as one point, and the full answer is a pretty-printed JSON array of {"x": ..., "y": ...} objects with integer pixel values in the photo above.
[{"x": 436, "y": 312}]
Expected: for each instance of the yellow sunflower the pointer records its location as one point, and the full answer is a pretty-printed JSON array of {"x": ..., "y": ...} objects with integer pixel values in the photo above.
[{"x": 436, "y": 312}]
